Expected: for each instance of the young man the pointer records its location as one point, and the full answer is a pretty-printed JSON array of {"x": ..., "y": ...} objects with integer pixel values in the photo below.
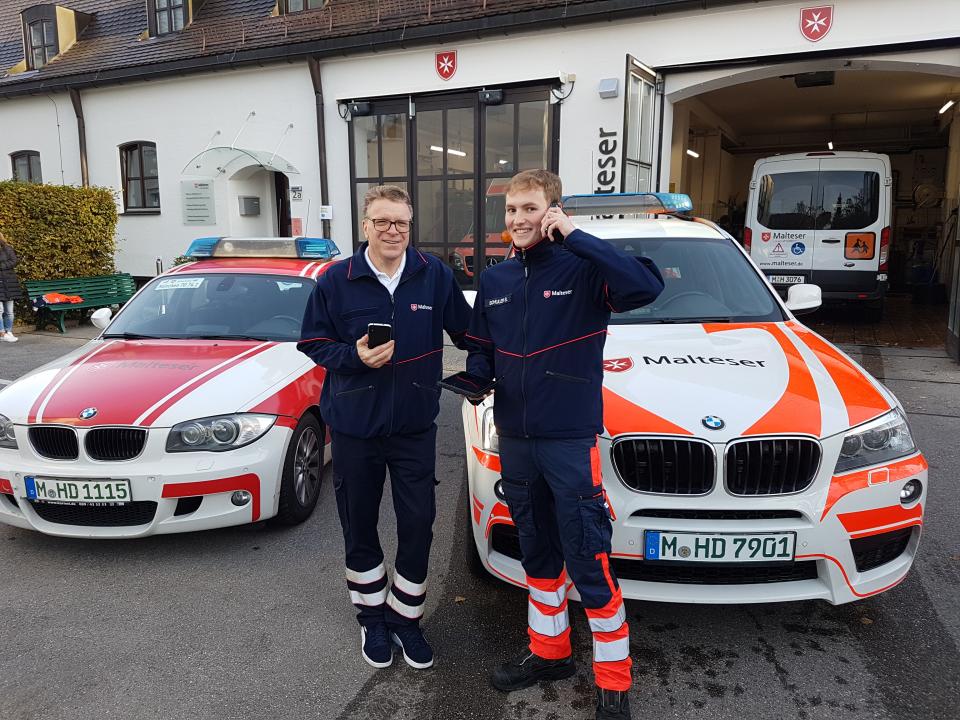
[
  {"x": 380, "y": 404},
  {"x": 539, "y": 326}
]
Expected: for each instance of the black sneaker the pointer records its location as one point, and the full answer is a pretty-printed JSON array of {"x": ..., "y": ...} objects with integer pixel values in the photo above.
[
  {"x": 612, "y": 705},
  {"x": 375, "y": 645},
  {"x": 529, "y": 669},
  {"x": 416, "y": 650}
]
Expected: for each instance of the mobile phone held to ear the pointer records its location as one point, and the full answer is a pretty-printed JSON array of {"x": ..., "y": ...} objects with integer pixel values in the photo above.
[
  {"x": 378, "y": 334},
  {"x": 556, "y": 235},
  {"x": 467, "y": 384}
]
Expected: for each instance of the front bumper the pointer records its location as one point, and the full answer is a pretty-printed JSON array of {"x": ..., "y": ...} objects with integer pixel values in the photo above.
[
  {"x": 828, "y": 545},
  {"x": 171, "y": 492}
]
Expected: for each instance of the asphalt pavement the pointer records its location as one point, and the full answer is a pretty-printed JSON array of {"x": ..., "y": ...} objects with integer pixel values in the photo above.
[{"x": 254, "y": 622}]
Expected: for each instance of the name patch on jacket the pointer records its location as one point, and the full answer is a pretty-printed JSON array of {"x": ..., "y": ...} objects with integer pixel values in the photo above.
[
  {"x": 556, "y": 293},
  {"x": 493, "y": 302},
  {"x": 414, "y": 307}
]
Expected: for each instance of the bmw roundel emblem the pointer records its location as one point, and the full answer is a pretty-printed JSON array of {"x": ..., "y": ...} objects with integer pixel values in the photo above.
[
  {"x": 712, "y": 422},
  {"x": 88, "y": 413}
]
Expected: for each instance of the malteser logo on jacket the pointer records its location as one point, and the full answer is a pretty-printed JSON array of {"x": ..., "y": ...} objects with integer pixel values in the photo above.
[
  {"x": 414, "y": 307},
  {"x": 701, "y": 360},
  {"x": 556, "y": 293}
]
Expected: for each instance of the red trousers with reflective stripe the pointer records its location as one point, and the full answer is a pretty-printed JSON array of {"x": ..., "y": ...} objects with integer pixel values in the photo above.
[{"x": 556, "y": 500}]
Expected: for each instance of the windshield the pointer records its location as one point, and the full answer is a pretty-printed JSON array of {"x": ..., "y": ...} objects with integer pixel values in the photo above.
[
  {"x": 216, "y": 306},
  {"x": 705, "y": 280}
]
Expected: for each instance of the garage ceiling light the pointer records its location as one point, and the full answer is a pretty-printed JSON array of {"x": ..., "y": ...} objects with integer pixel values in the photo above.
[
  {"x": 946, "y": 106},
  {"x": 830, "y": 145},
  {"x": 693, "y": 153}
]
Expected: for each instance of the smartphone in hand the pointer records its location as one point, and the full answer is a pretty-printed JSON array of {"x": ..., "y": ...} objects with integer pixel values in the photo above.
[
  {"x": 378, "y": 334},
  {"x": 556, "y": 235}
]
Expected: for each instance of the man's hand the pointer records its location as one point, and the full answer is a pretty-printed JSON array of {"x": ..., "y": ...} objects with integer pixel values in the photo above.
[
  {"x": 374, "y": 357},
  {"x": 555, "y": 219}
]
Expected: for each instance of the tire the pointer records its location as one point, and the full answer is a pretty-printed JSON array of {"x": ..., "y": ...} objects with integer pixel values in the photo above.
[
  {"x": 474, "y": 564},
  {"x": 302, "y": 472}
]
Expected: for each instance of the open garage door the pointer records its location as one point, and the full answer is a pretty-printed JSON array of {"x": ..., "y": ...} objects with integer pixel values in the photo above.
[{"x": 725, "y": 120}]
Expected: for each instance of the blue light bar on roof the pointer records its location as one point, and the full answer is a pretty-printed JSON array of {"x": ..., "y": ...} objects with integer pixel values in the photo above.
[
  {"x": 305, "y": 248},
  {"x": 628, "y": 204}
]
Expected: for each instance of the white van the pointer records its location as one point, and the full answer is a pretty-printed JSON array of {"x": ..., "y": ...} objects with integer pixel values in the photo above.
[{"x": 823, "y": 218}]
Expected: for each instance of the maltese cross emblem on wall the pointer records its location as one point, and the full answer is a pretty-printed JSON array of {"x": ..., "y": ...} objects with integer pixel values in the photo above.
[
  {"x": 815, "y": 22},
  {"x": 446, "y": 63}
]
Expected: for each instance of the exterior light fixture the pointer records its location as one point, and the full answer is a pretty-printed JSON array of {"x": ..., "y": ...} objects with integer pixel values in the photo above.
[
  {"x": 693, "y": 153},
  {"x": 946, "y": 106},
  {"x": 830, "y": 145}
]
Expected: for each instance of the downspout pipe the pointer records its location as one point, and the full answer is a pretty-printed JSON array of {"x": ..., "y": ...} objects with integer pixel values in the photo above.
[
  {"x": 81, "y": 136},
  {"x": 314, "y": 66}
]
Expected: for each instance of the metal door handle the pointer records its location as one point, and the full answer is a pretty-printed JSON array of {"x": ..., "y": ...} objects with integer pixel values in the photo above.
[{"x": 831, "y": 241}]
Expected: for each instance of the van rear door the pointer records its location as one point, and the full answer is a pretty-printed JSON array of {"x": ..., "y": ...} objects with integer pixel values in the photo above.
[
  {"x": 849, "y": 224},
  {"x": 783, "y": 219}
]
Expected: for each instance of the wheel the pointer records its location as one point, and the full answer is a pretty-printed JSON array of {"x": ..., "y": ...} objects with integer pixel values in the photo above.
[
  {"x": 472, "y": 556},
  {"x": 302, "y": 472}
]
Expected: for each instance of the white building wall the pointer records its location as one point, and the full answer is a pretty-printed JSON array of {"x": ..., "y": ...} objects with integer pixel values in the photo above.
[
  {"x": 181, "y": 116},
  {"x": 48, "y": 125}
]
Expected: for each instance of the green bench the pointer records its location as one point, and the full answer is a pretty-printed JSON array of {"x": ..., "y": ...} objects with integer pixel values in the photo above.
[{"x": 98, "y": 291}]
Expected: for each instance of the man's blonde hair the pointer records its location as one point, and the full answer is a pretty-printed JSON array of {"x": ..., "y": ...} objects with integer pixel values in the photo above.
[
  {"x": 386, "y": 192},
  {"x": 544, "y": 180}
]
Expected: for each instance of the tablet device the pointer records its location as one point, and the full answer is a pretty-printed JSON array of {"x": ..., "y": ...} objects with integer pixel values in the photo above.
[{"x": 468, "y": 385}]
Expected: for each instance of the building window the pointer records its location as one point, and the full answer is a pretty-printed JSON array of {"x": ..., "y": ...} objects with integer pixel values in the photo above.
[
  {"x": 291, "y": 6},
  {"x": 141, "y": 185},
  {"x": 42, "y": 38},
  {"x": 638, "y": 153},
  {"x": 26, "y": 166},
  {"x": 167, "y": 16}
]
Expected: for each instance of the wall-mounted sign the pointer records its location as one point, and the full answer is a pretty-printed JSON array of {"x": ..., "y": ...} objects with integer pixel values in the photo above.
[
  {"x": 198, "y": 203},
  {"x": 296, "y": 227},
  {"x": 326, "y": 212},
  {"x": 815, "y": 22},
  {"x": 296, "y": 193},
  {"x": 445, "y": 63}
]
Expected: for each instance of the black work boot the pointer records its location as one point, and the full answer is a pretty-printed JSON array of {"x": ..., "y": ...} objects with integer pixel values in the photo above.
[
  {"x": 612, "y": 705},
  {"x": 529, "y": 669}
]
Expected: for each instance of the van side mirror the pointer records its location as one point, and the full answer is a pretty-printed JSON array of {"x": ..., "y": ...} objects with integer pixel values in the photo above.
[
  {"x": 804, "y": 298},
  {"x": 101, "y": 318}
]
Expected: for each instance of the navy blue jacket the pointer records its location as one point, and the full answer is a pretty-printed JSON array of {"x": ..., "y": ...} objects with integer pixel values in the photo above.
[
  {"x": 539, "y": 326},
  {"x": 402, "y": 396}
]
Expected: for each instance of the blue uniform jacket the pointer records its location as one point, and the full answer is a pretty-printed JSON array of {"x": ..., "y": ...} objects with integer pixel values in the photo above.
[
  {"x": 539, "y": 325},
  {"x": 402, "y": 396}
]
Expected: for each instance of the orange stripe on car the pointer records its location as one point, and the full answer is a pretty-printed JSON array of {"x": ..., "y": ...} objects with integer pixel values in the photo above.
[
  {"x": 621, "y": 416},
  {"x": 248, "y": 482},
  {"x": 477, "y": 510},
  {"x": 873, "y": 522},
  {"x": 841, "y": 485},
  {"x": 798, "y": 409},
  {"x": 846, "y": 579},
  {"x": 488, "y": 460},
  {"x": 862, "y": 400},
  {"x": 499, "y": 515}
]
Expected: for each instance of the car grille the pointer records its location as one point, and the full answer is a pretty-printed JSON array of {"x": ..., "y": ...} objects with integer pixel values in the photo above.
[
  {"x": 56, "y": 443},
  {"x": 775, "y": 466},
  {"x": 876, "y": 550},
  {"x": 719, "y": 514},
  {"x": 714, "y": 573},
  {"x": 115, "y": 443},
  {"x": 131, "y": 513},
  {"x": 505, "y": 540},
  {"x": 667, "y": 466}
]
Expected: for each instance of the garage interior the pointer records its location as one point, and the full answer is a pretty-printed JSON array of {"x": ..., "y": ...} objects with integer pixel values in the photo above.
[{"x": 719, "y": 134}]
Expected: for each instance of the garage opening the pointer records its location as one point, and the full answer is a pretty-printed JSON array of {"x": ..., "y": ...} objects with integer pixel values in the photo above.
[{"x": 724, "y": 122}]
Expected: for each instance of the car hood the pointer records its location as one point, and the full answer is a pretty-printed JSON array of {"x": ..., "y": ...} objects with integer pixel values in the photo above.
[
  {"x": 721, "y": 381},
  {"x": 150, "y": 382}
]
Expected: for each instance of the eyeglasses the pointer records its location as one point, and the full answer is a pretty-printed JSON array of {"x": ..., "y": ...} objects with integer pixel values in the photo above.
[{"x": 383, "y": 225}]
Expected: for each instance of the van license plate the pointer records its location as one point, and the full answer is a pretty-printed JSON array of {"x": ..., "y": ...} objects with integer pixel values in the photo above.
[
  {"x": 77, "y": 492},
  {"x": 786, "y": 279},
  {"x": 712, "y": 547}
]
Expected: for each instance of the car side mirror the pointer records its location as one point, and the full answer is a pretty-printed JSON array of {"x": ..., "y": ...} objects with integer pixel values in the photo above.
[
  {"x": 101, "y": 318},
  {"x": 804, "y": 298}
]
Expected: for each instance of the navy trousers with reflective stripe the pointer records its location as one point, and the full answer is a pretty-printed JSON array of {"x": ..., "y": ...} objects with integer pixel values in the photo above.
[{"x": 359, "y": 472}]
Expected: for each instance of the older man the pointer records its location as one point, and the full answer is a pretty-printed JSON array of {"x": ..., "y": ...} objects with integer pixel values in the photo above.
[{"x": 380, "y": 404}]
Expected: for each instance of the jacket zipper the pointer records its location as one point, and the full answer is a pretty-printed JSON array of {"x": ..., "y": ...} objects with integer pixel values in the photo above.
[
  {"x": 523, "y": 360},
  {"x": 563, "y": 376},
  {"x": 393, "y": 364},
  {"x": 354, "y": 390}
]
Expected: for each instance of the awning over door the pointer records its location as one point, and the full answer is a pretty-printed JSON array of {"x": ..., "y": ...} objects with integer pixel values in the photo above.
[{"x": 217, "y": 161}]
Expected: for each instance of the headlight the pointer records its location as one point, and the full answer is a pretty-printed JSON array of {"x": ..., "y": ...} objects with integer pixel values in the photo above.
[
  {"x": 216, "y": 434},
  {"x": 488, "y": 432},
  {"x": 7, "y": 439},
  {"x": 886, "y": 438}
]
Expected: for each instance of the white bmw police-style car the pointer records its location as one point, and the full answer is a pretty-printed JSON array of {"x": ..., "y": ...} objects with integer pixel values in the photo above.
[
  {"x": 192, "y": 410},
  {"x": 745, "y": 458}
]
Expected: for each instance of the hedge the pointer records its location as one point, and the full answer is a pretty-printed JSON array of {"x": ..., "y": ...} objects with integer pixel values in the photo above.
[{"x": 59, "y": 231}]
